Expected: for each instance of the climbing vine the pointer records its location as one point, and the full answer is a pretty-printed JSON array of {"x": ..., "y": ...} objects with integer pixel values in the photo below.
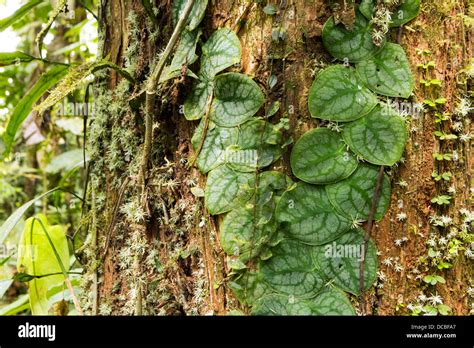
[{"x": 297, "y": 247}]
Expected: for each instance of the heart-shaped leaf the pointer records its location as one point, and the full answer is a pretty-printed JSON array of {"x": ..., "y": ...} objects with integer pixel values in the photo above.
[
  {"x": 379, "y": 137},
  {"x": 185, "y": 55},
  {"x": 258, "y": 146},
  {"x": 220, "y": 51},
  {"x": 387, "y": 72},
  {"x": 196, "y": 15},
  {"x": 246, "y": 230},
  {"x": 237, "y": 98},
  {"x": 404, "y": 13},
  {"x": 353, "y": 197},
  {"x": 195, "y": 104},
  {"x": 340, "y": 261},
  {"x": 308, "y": 216},
  {"x": 226, "y": 189},
  {"x": 330, "y": 301},
  {"x": 351, "y": 45},
  {"x": 213, "y": 151},
  {"x": 292, "y": 270},
  {"x": 320, "y": 157},
  {"x": 338, "y": 95},
  {"x": 248, "y": 287}
]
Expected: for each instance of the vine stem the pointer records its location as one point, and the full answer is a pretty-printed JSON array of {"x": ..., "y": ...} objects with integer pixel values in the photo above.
[
  {"x": 151, "y": 86},
  {"x": 204, "y": 131},
  {"x": 368, "y": 232}
]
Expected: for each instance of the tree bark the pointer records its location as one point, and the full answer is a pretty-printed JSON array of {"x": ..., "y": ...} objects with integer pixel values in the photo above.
[{"x": 167, "y": 259}]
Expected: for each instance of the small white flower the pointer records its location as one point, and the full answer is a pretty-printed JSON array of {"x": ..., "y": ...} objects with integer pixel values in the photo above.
[
  {"x": 435, "y": 300},
  {"x": 381, "y": 276},
  {"x": 431, "y": 242},
  {"x": 464, "y": 107},
  {"x": 402, "y": 183},
  {"x": 410, "y": 307},
  {"x": 445, "y": 220},
  {"x": 379, "y": 253},
  {"x": 398, "y": 268},
  {"x": 470, "y": 291},
  {"x": 465, "y": 137},
  {"x": 422, "y": 297},
  {"x": 443, "y": 240},
  {"x": 334, "y": 126},
  {"x": 356, "y": 223},
  {"x": 401, "y": 216},
  {"x": 455, "y": 156},
  {"x": 469, "y": 253},
  {"x": 398, "y": 242},
  {"x": 404, "y": 239},
  {"x": 388, "y": 261},
  {"x": 457, "y": 126},
  {"x": 380, "y": 285}
]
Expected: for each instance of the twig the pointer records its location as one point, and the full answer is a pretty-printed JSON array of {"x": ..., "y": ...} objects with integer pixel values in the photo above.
[
  {"x": 151, "y": 86},
  {"x": 370, "y": 223}
]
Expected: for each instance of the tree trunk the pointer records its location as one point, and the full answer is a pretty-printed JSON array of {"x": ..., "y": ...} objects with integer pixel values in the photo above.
[{"x": 165, "y": 258}]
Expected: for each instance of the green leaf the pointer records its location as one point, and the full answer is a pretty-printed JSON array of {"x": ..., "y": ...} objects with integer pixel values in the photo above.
[
  {"x": 387, "y": 72},
  {"x": 221, "y": 51},
  {"x": 330, "y": 301},
  {"x": 195, "y": 104},
  {"x": 354, "y": 45},
  {"x": 443, "y": 309},
  {"x": 13, "y": 219},
  {"x": 320, "y": 157},
  {"x": 378, "y": 137},
  {"x": 338, "y": 95},
  {"x": 226, "y": 189},
  {"x": 17, "y": 306},
  {"x": 213, "y": 151},
  {"x": 353, "y": 197},
  {"x": 404, "y": 13},
  {"x": 246, "y": 230},
  {"x": 23, "y": 108},
  {"x": 291, "y": 270},
  {"x": 237, "y": 98},
  {"x": 308, "y": 216},
  {"x": 196, "y": 15},
  {"x": 18, "y": 14},
  {"x": 248, "y": 287},
  {"x": 258, "y": 146},
  {"x": 66, "y": 161},
  {"x": 270, "y": 9},
  {"x": 185, "y": 54},
  {"x": 340, "y": 261},
  {"x": 36, "y": 258},
  {"x": 8, "y": 58}
]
